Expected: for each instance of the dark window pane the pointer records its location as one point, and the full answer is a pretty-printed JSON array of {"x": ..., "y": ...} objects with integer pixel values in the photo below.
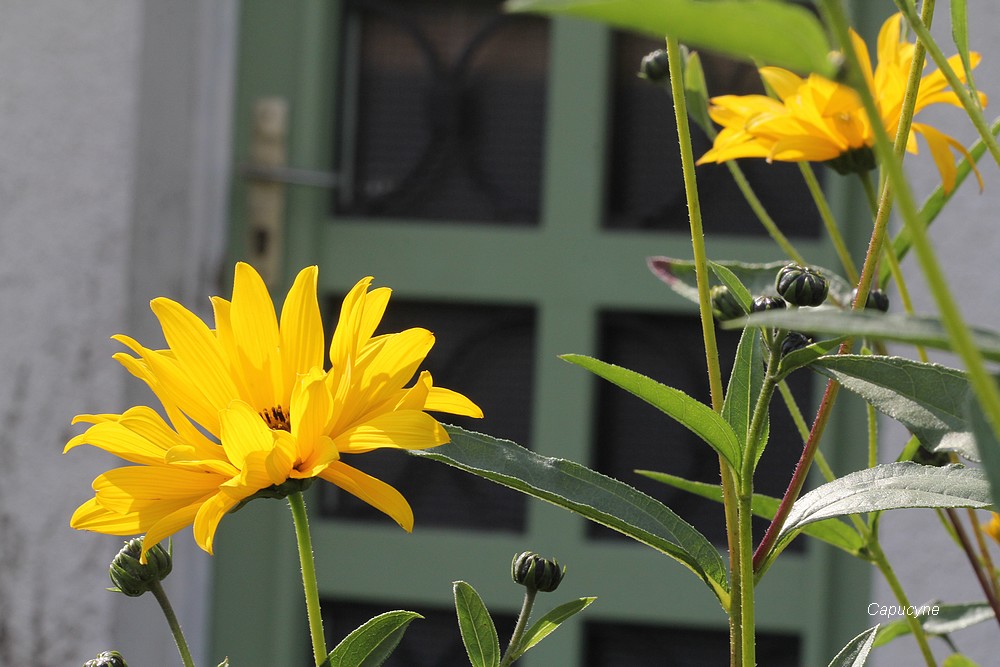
[
  {"x": 631, "y": 434},
  {"x": 617, "y": 644},
  {"x": 442, "y": 111},
  {"x": 645, "y": 187},
  {"x": 486, "y": 353},
  {"x": 433, "y": 641}
]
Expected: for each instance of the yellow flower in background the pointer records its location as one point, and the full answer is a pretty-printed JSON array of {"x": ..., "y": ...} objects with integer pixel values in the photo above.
[
  {"x": 253, "y": 412},
  {"x": 817, "y": 120},
  {"x": 992, "y": 527}
]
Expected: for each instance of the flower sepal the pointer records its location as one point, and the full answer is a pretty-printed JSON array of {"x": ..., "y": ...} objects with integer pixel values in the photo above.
[{"x": 277, "y": 491}]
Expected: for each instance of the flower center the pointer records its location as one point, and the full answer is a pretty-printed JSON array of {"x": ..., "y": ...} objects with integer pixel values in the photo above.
[{"x": 276, "y": 419}]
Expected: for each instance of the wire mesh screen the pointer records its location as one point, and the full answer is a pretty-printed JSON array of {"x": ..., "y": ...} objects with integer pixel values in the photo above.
[
  {"x": 631, "y": 434},
  {"x": 619, "y": 644},
  {"x": 442, "y": 111},
  {"x": 645, "y": 188},
  {"x": 432, "y": 641},
  {"x": 486, "y": 353}
]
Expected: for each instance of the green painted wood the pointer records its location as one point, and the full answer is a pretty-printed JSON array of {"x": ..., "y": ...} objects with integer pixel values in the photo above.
[{"x": 569, "y": 269}]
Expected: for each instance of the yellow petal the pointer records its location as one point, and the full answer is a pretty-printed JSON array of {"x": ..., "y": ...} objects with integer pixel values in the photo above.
[
  {"x": 168, "y": 525},
  {"x": 243, "y": 431},
  {"x": 207, "y": 519},
  {"x": 148, "y": 488},
  {"x": 405, "y": 429},
  {"x": 302, "y": 338},
  {"x": 373, "y": 491},
  {"x": 311, "y": 410},
  {"x": 938, "y": 142},
  {"x": 344, "y": 344},
  {"x": 782, "y": 82},
  {"x": 440, "y": 399},
  {"x": 92, "y": 516},
  {"x": 255, "y": 331}
]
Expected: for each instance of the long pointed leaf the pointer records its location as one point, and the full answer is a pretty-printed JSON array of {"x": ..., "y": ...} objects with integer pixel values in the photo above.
[
  {"x": 548, "y": 623},
  {"x": 986, "y": 442},
  {"x": 373, "y": 642},
  {"x": 890, "y": 486},
  {"x": 478, "y": 632},
  {"x": 695, "y": 415},
  {"x": 588, "y": 493},
  {"x": 831, "y": 531},
  {"x": 744, "y": 387},
  {"x": 949, "y": 618},
  {"x": 928, "y": 399},
  {"x": 855, "y": 653},
  {"x": 916, "y": 330},
  {"x": 773, "y": 33}
]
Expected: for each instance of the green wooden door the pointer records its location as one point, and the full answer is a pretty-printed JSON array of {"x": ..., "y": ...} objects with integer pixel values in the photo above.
[{"x": 516, "y": 236}]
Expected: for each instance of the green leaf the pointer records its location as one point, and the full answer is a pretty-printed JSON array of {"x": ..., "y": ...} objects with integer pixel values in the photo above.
[
  {"x": 547, "y": 624},
  {"x": 735, "y": 285},
  {"x": 916, "y": 330},
  {"x": 890, "y": 486},
  {"x": 772, "y": 33},
  {"x": 831, "y": 531},
  {"x": 949, "y": 618},
  {"x": 696, "y": 91},
  {"x": 744, "y": 387},
  {"x": 679, "y": 275},
  {"x": 588, "y": 493},
  {"x": 373, "y": 642},
  {"x": 807, "y": 355},
  {"x": 695, "y": 415},
  {"x": 478, "y": 632},
  {"x": 986, "y": 442},
  {"x": 935, "y": 202},
  {"x": 960, "y": 33},
  {"x": 855, "y": 653},
  {"x": 958, "y": 660},
  {"x": 928, "y": 399}
]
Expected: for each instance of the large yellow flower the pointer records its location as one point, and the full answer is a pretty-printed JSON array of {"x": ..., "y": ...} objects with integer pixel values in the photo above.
[
  {"x": 253, "y": 411},
  {"x": 817, "y": 120}
]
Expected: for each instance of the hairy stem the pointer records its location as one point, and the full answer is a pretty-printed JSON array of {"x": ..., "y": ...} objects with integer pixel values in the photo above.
[{"x": 304, "y": 539}]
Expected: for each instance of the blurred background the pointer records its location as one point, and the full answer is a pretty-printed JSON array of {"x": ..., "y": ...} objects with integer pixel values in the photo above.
[{"x": 507, "y": 176}]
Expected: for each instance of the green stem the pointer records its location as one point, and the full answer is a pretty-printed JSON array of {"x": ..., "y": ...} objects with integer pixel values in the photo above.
[
  {"x": 304, "y": 539},
  {"x": 971, "y": 106},
  {"x": 958, "y": 332},
  {"x": 522, "y": 622},
  {"x": 882, "y": 563},
  {"x": 828, "y": 221},
  {"x": 175, "y": 627},
  {"x": 765, "y": 218},
  {"x": 675, "y": 64}
]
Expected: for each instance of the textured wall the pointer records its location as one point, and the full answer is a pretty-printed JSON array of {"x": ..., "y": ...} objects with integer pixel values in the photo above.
[
  {"x": 67, "y": 131},
  {"x": 967, "y": 240}
]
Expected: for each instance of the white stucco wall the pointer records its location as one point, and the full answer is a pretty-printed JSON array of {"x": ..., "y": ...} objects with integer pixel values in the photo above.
[
  {"x": 967, "y": 240},
  {"x": 114, "y": 126}
]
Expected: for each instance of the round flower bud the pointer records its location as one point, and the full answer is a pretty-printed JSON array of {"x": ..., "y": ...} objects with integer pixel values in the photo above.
[
  {"x": 762, "y": 303},
  {"x": 654, "y": 66},
  {"x": 536, "y": 573},
  {"x": 133, "y": 578},
  {"x": 801, "y": 285},
  {"x": 725, "y": 306},
  {"x": 877, "y": 300},
  {"x": 794, "y": 341},
  {"x": 107, "y": 659}
]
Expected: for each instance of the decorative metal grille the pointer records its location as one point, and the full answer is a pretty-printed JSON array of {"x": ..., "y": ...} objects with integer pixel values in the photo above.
[
  {"x": 645, "y": 187},
  {"x": 487, "y": 353},
  {"x": 442, "y": 111},
  {"x": 618, "y": 644},
  {"x": 632, "y": 435}
]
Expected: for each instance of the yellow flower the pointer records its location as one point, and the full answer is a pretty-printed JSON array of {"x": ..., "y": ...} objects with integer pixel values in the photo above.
[
  {"x": 992, "y": 527},
  {"x": 254, "y": 413},
  {"x": 817, "y": 120}
]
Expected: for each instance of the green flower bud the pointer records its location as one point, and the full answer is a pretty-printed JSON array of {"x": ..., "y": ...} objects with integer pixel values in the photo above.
[
  {"x": 801, "y": 285},
  {"x": 536, "y": 573},
  {"x": 654, "y": 66},
  {"x": 794, "y": 341},
  {"x": 762, "y": 303},
  {"x": 725, "y": 306},
  {"x": 107, "y": 659},
  {"x": 133, "y": 578},
  {"x": 877, "y": 300}
]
